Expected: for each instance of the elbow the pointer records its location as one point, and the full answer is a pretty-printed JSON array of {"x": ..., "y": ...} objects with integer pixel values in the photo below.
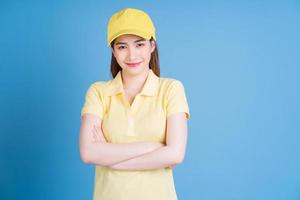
[
  {"x": 88, "y": 158},
  {"x": 86, "y": 154},
  {"x": 85, "y": 157},
  {"x": 178, "y": 158}
]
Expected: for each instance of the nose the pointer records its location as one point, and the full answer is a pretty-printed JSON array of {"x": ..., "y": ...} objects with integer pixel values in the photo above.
[{"x": 131, "y": 53}]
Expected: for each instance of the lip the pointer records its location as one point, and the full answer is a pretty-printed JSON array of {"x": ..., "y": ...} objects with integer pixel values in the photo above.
[{"x": 133, "y": 64}]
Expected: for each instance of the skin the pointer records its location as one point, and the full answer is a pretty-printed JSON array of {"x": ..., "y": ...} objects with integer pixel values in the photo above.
[
  {"x": 94, "y": 149},
  {"x": 133, "y": 49}
]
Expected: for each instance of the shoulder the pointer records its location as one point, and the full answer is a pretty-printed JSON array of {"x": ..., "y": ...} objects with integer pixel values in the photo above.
[
  {"x": 97, "y": 87},
  {"x": 168, "y": 84},
  {"x": 100, "y": 85},
  {"x": 104, "y": 88}
]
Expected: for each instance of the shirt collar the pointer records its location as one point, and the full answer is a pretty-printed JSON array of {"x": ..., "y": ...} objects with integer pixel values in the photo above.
[{"x": 149, "y": 89}]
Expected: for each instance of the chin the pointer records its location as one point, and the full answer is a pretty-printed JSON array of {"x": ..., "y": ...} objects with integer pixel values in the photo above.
[{"x": 136, "y": 71}]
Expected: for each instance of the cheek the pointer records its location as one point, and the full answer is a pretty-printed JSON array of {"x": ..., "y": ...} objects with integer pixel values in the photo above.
[
  {"x": 119, "y": 56},
  {"x": 147, "y": 54}
]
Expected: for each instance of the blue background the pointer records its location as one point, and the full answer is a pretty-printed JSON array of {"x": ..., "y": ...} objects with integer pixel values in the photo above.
[{"x": 239, "y": 62}]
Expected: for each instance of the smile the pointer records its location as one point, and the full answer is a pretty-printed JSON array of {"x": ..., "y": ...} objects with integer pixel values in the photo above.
[{"x": 133, "y": 64}]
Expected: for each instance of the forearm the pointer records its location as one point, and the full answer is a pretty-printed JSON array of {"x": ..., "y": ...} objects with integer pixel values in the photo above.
[
  {"x": 160, "y": 158},
  {"x": 107, "y": 154}
]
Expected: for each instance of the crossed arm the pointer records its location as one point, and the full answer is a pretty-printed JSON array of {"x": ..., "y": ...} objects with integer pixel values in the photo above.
[{"x": 133, "y": 156}]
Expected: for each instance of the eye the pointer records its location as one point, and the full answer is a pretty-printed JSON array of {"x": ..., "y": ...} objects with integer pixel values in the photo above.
[
  {"x": 121, "y": 47},
  {"x": 141, "y": 44}
]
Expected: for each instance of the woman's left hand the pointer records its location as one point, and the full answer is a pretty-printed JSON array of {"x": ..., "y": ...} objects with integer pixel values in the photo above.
[{"x": 98, "y": 135}]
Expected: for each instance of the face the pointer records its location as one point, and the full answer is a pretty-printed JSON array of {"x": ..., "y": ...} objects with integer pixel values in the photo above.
[{"x": 133, "y": 53}]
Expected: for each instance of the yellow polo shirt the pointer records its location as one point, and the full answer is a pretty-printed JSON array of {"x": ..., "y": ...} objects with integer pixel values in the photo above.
[{"x": 144, "y": 120}]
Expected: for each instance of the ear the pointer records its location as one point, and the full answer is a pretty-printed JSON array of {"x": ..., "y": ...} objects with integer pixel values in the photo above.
[{"x": 153, "y": 45}]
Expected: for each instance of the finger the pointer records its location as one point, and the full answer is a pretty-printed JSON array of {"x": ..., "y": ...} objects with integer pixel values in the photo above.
[
  {"x": 97, "y": 128},
  {"x": 98, "y": 135},
  {"x": 98, "y": 132},
  {"x": 95, "y": 135},
  {"x": 94, "y": 131}
]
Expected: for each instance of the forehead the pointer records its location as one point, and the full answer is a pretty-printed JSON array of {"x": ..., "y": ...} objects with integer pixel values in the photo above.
[{"x": 128, "y": 38}]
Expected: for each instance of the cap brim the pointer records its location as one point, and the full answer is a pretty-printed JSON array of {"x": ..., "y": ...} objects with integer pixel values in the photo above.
[{"x": 131, "y": 31}]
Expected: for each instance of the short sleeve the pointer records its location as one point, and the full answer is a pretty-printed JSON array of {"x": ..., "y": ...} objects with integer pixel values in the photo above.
[
  {"x": 176, "y": 99},
  {"x": 93, "y": 101}
]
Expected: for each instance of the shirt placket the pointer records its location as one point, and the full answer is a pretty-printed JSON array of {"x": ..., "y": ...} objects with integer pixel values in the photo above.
[
  {"x": 131, "y": 123},
  {"x": 130, "y": 114}
]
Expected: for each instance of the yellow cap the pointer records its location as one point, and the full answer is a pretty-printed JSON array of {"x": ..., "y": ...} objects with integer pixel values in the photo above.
[{"x": 130, "y": 21}]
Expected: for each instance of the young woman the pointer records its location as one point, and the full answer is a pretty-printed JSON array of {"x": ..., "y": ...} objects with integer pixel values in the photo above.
[{"x": 134, "y": 127}]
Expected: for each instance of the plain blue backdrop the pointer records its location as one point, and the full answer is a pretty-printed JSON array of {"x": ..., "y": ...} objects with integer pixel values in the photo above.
[{"x": 238, "y": 60}]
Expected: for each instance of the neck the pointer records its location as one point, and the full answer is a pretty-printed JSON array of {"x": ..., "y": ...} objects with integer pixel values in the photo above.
[{"x": 134, "y": 81}]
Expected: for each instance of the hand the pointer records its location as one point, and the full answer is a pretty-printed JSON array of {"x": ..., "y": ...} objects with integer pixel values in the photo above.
[{"x": 98, "y": 134}]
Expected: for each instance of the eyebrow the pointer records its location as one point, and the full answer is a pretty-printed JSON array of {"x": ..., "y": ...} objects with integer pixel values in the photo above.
[{"x": 139, "y": 40}]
